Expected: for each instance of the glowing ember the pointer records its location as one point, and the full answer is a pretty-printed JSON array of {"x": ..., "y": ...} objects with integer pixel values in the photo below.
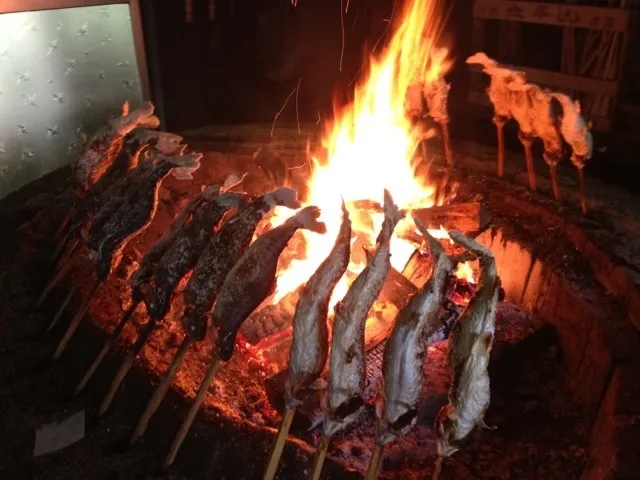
[{"x": 370, "y": 147}]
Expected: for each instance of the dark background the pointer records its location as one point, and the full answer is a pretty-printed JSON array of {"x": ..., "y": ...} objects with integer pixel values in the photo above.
[{"x": 241, "y": 66}]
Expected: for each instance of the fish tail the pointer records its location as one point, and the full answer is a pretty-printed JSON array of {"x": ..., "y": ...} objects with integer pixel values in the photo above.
[
  {"x": 392, "y": 214},
  {"x": 433, "y": 246},
  {"x": 283, "y": 196},
  {"x": 185, "y": 165},
  {"x": 308, "y": 217}
]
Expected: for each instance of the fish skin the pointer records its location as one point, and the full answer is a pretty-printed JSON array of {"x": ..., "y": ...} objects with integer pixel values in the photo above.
[
  {"x": 347, "y": 372},
  {"x": 253, "y": 278},
  {"x": 405, "y": 350},
  {"x": 221, "y": 254},
  {"x": 310, "y": 345},
  {"x": 470, "y": 345},
  {"x": 182, "y": 255},
  {"x": 136, "y": 213}
]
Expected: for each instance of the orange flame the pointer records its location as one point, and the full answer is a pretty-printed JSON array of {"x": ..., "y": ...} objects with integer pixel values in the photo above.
[{"x": 370, "y": 147}]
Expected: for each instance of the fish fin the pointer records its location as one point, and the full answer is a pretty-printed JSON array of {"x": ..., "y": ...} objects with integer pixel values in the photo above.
[
  {"x": 283, "y": 196},
  {"x": 307, "y": 218},
  {"x": 185, "y": 165},
  {"x": 482, "y": 343},
  {"x": 434, "y": 247},
  {"x": 232, "y": 181},
  {"x": 369, "y": 254},
  {"x": 391, "y": 210},
  {"x": 485, "y": 426}
]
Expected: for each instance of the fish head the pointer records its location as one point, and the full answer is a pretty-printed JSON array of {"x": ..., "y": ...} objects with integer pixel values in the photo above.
[
  {"x": 445, "y": 428},
  {"x": 480, "y": 58}
]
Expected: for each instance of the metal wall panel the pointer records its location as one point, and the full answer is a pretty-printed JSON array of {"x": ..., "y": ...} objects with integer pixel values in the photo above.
[{"x": 63, "y": 72}]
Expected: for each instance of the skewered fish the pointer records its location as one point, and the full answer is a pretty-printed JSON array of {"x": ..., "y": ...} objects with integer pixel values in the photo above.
[
  {"x": 248, "y": 284},
  {"x": 310, "y": 344},
  {"x": 135, "y": 215},
  {"x": 499, "y": 95},
  {"x": 521, "y": 110},
  {"x": 131, "y": 219},
  {"x": 253, "y": 278},
  {"x": 404, "y": 353},
  {"x": 222, "y": 253},
  {"x": 346, "y": 362},
  {"x": 470, "y": 345},
  {"x": 103, "y": 147},
  {"x": 575, "y": 131}
]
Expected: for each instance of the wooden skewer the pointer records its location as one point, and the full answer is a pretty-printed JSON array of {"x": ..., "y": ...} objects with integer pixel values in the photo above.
[
  {"x": 500, "y": 130},
  {"x": 60, "y": 246},
  {"x": 447, "y": 143},
  {"x": 63, "y": 225},
  {"x": 184, "y": 428},
  {"x": 437, "y": 469},
  {"x": 528, "y": 153},
  {"x": 76, "y": 321},
  {"x": 321, "y": 454},
  {"x": 105, "y": 348},
  {"x": 374, "y": 463},
  {"x": 59, "y": 276},
  {"x": 67, "y": 254},
  {"x": 161, "y": 390},
  {"x": 278, "y": 445},
  {"x": 126, "y": 366},
  {"x": 554, "y": 181},
  {"x": 62, "y": 308},
  {"x": 583, "y": 197}
]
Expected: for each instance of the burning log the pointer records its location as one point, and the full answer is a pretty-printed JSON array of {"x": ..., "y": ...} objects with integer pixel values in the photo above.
[
  {"x": 470, "y": 218},
  {"x": 575, "y": 131},
  {"x": 405, "y": 352},
  {"x": 499, "y": 95},
  {"x": 249, "y": 282},
  {"x": 214, "y": 264},
  {"x": 131, "y": 219},
  {"x": 310, "y": 346},
  {"x": 469, "y": 351},
  {"x": 347, "y": 373}
]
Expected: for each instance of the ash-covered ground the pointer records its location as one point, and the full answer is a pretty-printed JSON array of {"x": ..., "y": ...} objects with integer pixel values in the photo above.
[{"x": 540, "y": 432}]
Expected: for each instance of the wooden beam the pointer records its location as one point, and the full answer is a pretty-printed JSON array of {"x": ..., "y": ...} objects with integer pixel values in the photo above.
[
  {"x": 599, "y": 124},
  {"x": 562, "y": 80},
  {"x": 576, "y": 16}
]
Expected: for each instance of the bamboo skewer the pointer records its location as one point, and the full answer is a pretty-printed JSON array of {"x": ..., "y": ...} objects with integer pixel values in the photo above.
[
  {"x": 105, "y": 348},
  {"x": 499, "y": 122},
  {"x": 374, "y": 462},
  {"x": 59, "y": 247},
  {"x": 448, "y": 153},
  {"x": 62, "y": 308},
  {"x": 161, "y": 390},
  {"x": 63, "y": 224},
  {"x": 438, "y": 468},
  {"x": 553, "y": 169},
  {"x": 184, "y": 428},
  {"x": 527, "y": 143},
  {"x": 583, "y": 198},
  {"x": 278, "y": 444},
  {"x": 67, "y": 255},
  {"x": 126, "y": 366},
  {"x": 58, "y": 277},
  {"x": 321, "y": 454},
  {"x": 76, "y": 321}
]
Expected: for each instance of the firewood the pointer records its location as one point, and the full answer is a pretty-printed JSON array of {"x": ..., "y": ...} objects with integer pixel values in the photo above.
[{"x": 469, "y": 218}]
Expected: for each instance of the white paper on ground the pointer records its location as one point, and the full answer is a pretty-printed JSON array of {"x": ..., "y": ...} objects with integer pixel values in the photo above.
[{"x": 57, "y": 435}]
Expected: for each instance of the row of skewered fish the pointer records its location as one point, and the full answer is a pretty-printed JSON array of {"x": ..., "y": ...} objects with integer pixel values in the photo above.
[
  {"x": 532, "y": 108},
  {"x": 117, "y": 182}
]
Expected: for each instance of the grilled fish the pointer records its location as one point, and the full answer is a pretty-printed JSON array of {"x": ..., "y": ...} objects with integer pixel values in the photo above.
[
  {"x": 253, "y": 278},
  {"x": 139, "y": 208},
  {"x": 181, "y": 256},
  {"x": 221, "y": 254},
  {"x": 310, "y": 345},
  {"x": 405, "y": 351},
  {"x": 347, "y": 372},
  {"x": 470, "y": 345}
]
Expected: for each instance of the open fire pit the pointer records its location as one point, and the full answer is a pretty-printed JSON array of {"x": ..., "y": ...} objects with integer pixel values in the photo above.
[{"x": 560, "y": 328}]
